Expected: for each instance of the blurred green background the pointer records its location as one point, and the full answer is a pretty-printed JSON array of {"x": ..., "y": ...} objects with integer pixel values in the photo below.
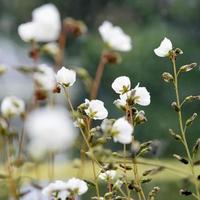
[{"x": 147, "y": 22}]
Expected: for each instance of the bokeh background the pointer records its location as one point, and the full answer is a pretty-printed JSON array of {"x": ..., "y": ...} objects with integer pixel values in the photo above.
[{"x": 147, "y": 22}]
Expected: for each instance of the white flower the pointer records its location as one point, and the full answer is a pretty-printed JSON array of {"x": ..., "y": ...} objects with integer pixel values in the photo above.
[
  {"x": 45, "y": 78},
  {"x": 107, "y": 175},
  {"x": 32, "y": 193},
  {"x": 66, "y": 77},
  {"x": 114, "y": 37},
  {"x": 122, "y": 131},
  {"x": 57, "y": 186},
  {"x": 77, "y": 186},
  {"x": 164, "y": 48},
  {"x": 142, "y": 96},
  {"x": 49, "y": 130},
  {"x": 12, "y": 106},
  {"x": 95, "y": 109},
  {"x": 45, "y": 25},
  {"x": 121, "y": 84},
  {"x": 138, "y": 95}
]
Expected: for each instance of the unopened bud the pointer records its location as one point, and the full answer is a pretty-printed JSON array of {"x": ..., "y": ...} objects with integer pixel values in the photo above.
[
  {"x": 191, "y": 119},
  {"x": 188, "y": 67},
  {"x": 175, "y": 106},
  {"x": 181, "y": 159},
  {"x": 185, "y": 192},
  {"x": 112, "y": 57},
  {"x": 74, "y": 27},
  {"x": 178, "y": 51},
  {"x": 196, "y": 146},
  {"x": 140, "y": 117},
  {"x": 167, "y": 77},
  {"x": 174, "y": 135}
]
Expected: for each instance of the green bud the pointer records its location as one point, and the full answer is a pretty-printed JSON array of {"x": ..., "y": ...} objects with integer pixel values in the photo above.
[
  {"x": 167, "y": 77},
  {"x": 174, "y": 135},
  {"x": 196, "y": 146},
  {"x": 191, "y": 119},
  {"x": 188, "y": 67},
  {"x": 175, "y": 106},
  {"x": 178, "y": 51},
  {"x": 181, "y": 159}
]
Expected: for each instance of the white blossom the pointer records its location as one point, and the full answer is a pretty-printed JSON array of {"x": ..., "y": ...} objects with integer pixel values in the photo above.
[
  {"x": 108, "y": 175},
  {"x": 114, "y": 37},
  {"x": 121, "y": 84},
  {"x": 44, "y": 27},
  {"x": 95, "y": 109},
  {"x": 57, "y": 186},
  {"x": 138, "y": 95},
  {"x": 49, "y": 130},
  {"x": 142, "y": 96},
  {"x": 66, "y": 77},
  {"x": 45, "y": 78},
  {"x": 12, "y": 106},
  {"x": 122, "y": 131},
  {"x": 164, "y": 48},
  {"x": 76, "y": 186}
]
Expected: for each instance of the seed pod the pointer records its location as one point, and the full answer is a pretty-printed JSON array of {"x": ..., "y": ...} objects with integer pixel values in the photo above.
[
  {"x": 146, "y": 180},
  {"x": 197, "y": 162},
  {"x": 167, "y": 77},
  {"x": 191, "y": 119},
  {"x": 181, "y": 159},
  {"x": 188, "y": 67},
  {"x": 185, "y": 192},
  {"x": 125, "y": 167}
]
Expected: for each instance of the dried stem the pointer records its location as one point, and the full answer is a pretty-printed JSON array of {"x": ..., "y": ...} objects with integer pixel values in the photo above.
[{"x": 98, "y": 76}]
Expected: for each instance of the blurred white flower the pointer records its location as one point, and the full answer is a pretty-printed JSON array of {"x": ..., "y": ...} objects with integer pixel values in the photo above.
[
  {"x": 114, "y": 37},
  {"x": 44, "y": 27},
  {"x": 121, "y": 84},
  {"x": 122, "y": 131},
  {"x": 12, "y": 106},
  {"x": 164, "y": 48},
  {"x": 57, "y": 186},
  {"x": 45, "y": 78},
  {"x": 76, "y": 186},
  {"x": 49, "y": 130},
  {"x": 95, "y": 109},
  {"x": 108, "y": 175},
  {"x": 66, "y": 77}
]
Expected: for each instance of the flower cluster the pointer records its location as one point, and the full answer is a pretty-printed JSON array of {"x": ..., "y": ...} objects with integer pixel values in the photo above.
[
  {"x": 138, "y": 95},
  {"x": 63, "y": 190}
]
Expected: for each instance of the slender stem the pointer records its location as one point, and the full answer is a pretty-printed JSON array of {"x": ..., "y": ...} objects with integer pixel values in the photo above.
[
  {"x": 98, "y": 76},
  {"x": 181, "y": 124},
  {"x": 21, "y": 141}
]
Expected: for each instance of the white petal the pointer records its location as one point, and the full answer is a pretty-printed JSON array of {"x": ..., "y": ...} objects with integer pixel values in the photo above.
[
  {"x": 164, "y": 48},
  {"x": 143, "y": 97},
  {"x": 121, "y": 84}
]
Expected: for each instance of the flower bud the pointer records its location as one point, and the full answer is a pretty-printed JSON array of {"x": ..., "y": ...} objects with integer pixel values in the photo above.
[
  {"x": 167, "y": 77},
  {"x": 75, "y": 27},
  {"x": 178, "y": 51},
  {"x": 174, "y": 135},
  {"x": 181, "y": 159},
  {"x": 188, "y": 67},
  {"x": 191, "y": 119},
  {"x": 196, "y": 146},
  {"x": 185, "y": 192},
  {"x": 175, "y": 106},
  {"x": 112, "y": 57},
  {"x": 140, "y": 117}
]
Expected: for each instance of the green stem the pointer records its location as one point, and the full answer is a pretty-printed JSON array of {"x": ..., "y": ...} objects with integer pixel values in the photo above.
[{"x": 180, "y": 119}]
